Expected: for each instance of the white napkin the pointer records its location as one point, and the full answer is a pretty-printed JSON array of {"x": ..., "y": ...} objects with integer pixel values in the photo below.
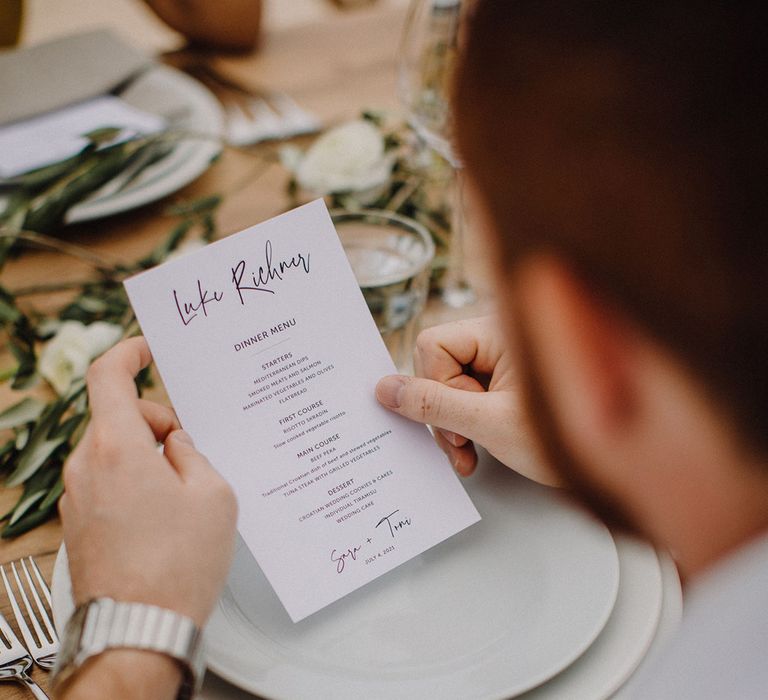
[
  {"x": 65, "y": 71},
  {"x": 54, "y": 136}
]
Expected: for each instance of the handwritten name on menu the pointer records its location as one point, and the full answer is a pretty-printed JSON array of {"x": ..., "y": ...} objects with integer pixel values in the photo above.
[
  {"x": 263, "y": 280},
  {"x": 270, "y": 357}
]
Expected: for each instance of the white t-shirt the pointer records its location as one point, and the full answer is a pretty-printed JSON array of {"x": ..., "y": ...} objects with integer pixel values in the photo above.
[{"x": 721, "y": 650}]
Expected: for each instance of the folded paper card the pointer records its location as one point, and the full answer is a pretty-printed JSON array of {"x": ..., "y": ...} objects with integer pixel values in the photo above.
[
  {"x": 270, "y": 357},
  {"x": 54, "y": 136},
  {"x": 67, "y": 70}
]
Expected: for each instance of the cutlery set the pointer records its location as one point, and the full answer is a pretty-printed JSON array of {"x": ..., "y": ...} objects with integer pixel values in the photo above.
[
  {"x": 41, "y": 644},
  {"x": 251, "y": 114}
]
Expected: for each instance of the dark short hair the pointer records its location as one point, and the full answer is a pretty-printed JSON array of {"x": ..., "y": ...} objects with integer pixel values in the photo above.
[{"x": 630, "y": 139}]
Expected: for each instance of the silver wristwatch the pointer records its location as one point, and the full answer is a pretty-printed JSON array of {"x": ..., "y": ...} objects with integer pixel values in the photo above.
[{"x": 103, "y": 623}]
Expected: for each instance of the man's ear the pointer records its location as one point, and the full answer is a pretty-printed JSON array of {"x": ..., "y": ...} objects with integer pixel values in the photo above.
[
  {"x": 582, "y": 348},
  {"x": 642, "y": 428}
]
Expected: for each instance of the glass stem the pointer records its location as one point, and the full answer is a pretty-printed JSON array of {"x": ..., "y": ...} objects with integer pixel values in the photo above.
[{"x": 457, "y": 292}]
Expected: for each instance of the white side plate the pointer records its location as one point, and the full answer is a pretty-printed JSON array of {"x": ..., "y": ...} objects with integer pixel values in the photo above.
[{"x": 191, "y": 106}]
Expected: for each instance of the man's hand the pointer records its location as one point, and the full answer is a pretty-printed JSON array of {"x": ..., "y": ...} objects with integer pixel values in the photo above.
[
  {"x": 466, "y": 389},
  {"x": 141, "y": 526}
]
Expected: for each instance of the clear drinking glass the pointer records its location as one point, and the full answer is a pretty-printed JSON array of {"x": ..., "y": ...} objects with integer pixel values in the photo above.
[
  {"x": 429, "y": 52},
  {"x": 391, "y": 257}
]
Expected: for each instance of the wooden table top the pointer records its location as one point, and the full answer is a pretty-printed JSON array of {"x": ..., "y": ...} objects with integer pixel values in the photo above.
[{"x": 335, "y": 67}]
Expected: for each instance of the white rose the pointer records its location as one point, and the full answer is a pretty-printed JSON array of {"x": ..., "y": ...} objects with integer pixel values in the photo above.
[
  {"x": 101, "y": 336},
  {"x": 66, "y": 357},
  {"x": 348, "y": 158},
  {"x": 290, "y": 157}
]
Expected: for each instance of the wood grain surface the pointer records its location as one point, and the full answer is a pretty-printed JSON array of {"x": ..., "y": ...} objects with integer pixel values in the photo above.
[{"x": 336, "y": 67}]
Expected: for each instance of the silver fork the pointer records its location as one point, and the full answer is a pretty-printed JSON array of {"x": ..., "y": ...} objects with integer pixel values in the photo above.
[
  {"x": 252, "y": 114},
  {"x": 15, "y": 660},
  {"x": 44, "y": 644}
]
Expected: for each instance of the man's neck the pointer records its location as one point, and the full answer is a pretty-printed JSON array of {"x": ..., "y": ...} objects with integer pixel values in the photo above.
[{"x": 725, "y": 518}]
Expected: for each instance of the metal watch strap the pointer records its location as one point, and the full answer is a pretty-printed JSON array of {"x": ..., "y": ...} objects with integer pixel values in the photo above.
[{"x": 103, "y": 623}]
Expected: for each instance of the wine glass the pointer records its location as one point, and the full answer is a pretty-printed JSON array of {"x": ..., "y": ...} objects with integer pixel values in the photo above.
[{"x": 429, "y": 53}]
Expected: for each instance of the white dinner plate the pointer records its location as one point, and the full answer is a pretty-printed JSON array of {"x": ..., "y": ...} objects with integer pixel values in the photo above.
[
  {"x": 496, "y": 610},
  {"x": 626, "y": 637},
  {"x": 644, "y": 596},
  {"x": 193, "y": 108},
  {"x": 669, "y": 623}
]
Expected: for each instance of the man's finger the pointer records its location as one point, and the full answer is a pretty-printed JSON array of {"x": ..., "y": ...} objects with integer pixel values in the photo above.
[
  {"x": 453, "y": 438},
  {"x": 442, "y": 352},
  {"x": 180, "y": 451},
  {"x": 161, "y": 419},
  {"x": 467, "y": 413},
  {"x": 111, "y": 387},
  {"x": 463, "y": 459},
  {"x": 465, "y": 383}
]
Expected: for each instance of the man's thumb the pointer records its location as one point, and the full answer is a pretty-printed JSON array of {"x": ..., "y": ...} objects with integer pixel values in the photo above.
[{"x": 428, "y": 401}]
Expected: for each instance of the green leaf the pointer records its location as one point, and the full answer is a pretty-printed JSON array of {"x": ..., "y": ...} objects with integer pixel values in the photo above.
[
  {"x": 195, "y": 206},
  {"x": 374, "y": 116},
  {"x": 25, "y": 380},
  {"x": 26, "y": 373},
  {"x": 8, "y": 309},
  {"x": 92, "y": 304},
  {"x": 103, "y": 134},
  {"x": 47, "y": 210},
  {"x": 24, "y": 505},
  {"x": 68, "y": 427},
  {"x": 53, "y": 495},
  {"x": 29, "y": 521},
  {"x": 104, "y": 301},
  {"x": 77, "y": 388},
  {"x": 25, "y": 411},
  {"x": 8, "y": 312},
  {"x": 13, "y": 214},
  {"x": 22, "y": 345},
  {"x": 6, "y": 454},
  {"x": 36, "y": 453},
  {"x": 6, "y": 244},
  {"x": 208, "y": 223},
  {"x": 80, "y": 404},
  {"x": 43, "y": 479},
  {"x": 37, "y": 179},
  {"x": 7, "y": 447},
  {"x": 25, "y": 355},
  {"x": 22, "y": 437},
  {"x": 47, "y": 328},
  {"x": 41, "y": 445},
  {"x": 170, "y": 243},
  {"x": 144, "y": 379}
]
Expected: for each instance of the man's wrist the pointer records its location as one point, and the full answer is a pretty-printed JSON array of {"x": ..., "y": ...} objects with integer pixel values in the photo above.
[
  {"x": 118, "y": 673},
  {"x": 104, "y": 624}
]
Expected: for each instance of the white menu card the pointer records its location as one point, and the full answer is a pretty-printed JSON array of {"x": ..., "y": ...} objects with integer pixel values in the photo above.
[{"x": 270, "y": 357}]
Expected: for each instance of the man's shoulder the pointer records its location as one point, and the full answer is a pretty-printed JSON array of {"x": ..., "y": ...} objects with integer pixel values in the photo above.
[{"x": 720, "y": 650}]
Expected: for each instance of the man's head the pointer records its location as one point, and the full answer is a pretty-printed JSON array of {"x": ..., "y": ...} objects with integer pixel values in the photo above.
[{"x": 617, "y": 152}]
